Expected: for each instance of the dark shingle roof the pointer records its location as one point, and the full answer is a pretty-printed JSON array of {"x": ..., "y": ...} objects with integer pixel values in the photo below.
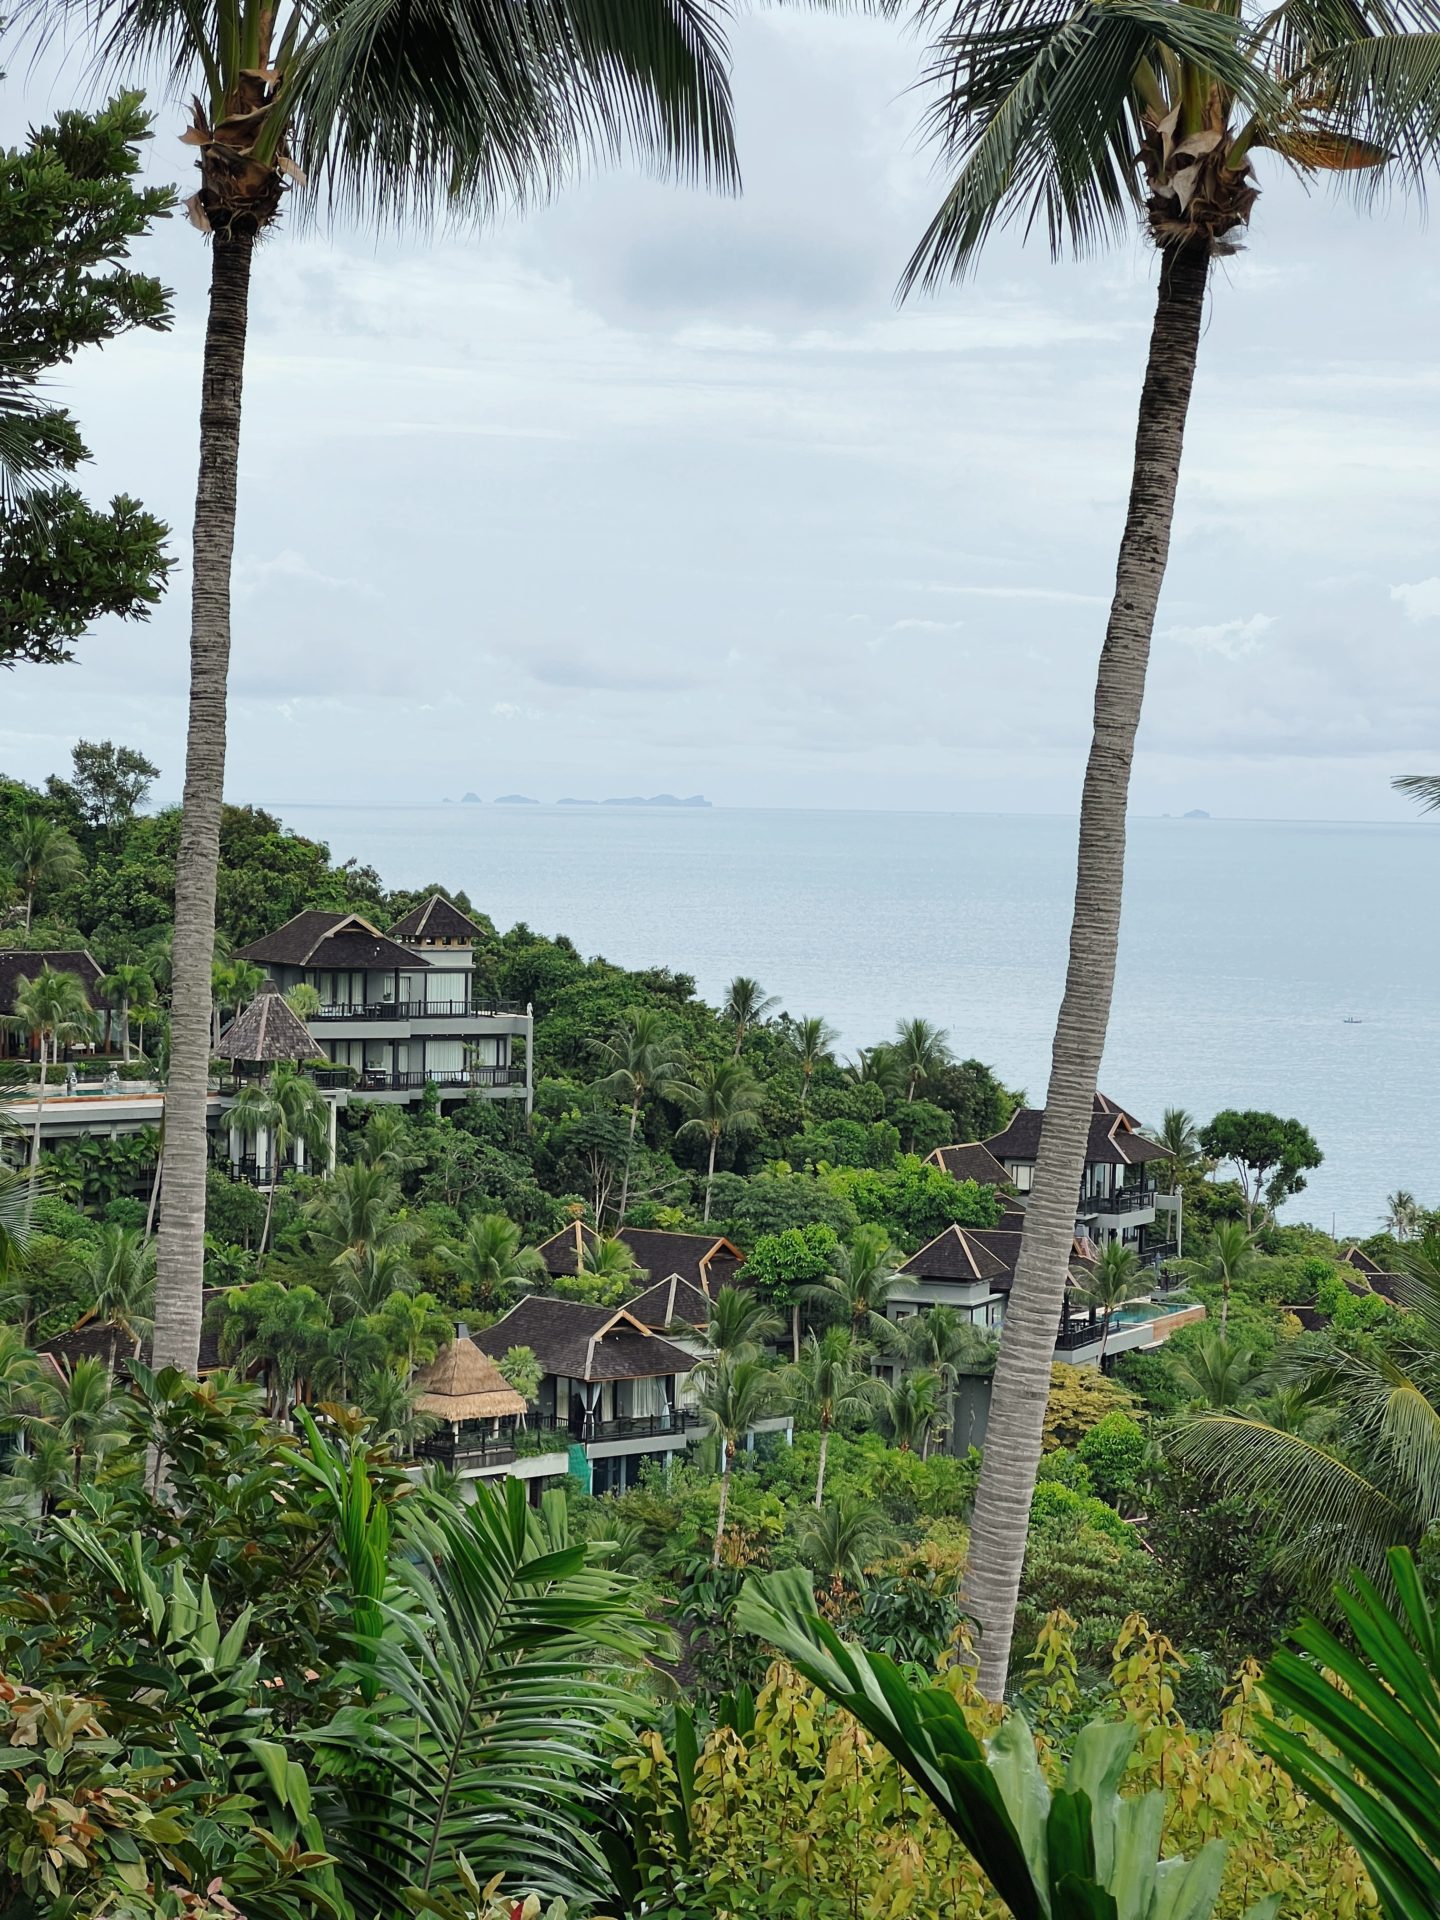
[
  {"x": 583, "y": 1343},
  {"x": 267, "y": 1031},
  {"x": 956, "y": 1254},
  {"x": 1005, "y": 1247},
  {"x": 1390, "y": 1286},
  {"x": 90, "y": 1339},
  {"x": 706, "y": 1261},
  {"x": 19, "y": 963},
  {"x": 673, "y": 1303},
  {"x": 339, "y": 940},
  {"x": 435, "y": 919},
  {"x": 561, "y": 1253},
  {"x": 1113, "y": 1138},
  {"x": 970, "y": 1161}
]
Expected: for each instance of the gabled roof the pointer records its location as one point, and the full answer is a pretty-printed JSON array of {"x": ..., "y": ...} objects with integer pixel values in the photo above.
[
  {"x": 971, "y": 1160},
  {"x": 955, "y": 1255},
  {"x": 673, "y": 1303},
  {"x": 268, "y": 1030},
  {"x": 707, "y": 1261},
  {"x": 1005, "y": 1247},
  {"x": 464, "y": 1383},
  {"x": 317, "y": 938},
  {"x": 583, "y": 1343},
  {"x": 435, "y": 919},
  {"x": 1390, "y": 1286},
  {"x": 1113, "y": 1137},
  {"x": 23, "y": 963}
]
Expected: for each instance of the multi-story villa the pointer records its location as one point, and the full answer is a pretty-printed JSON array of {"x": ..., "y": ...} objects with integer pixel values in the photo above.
[
  {"x": 1119, "y": 1197},
  {"x": 401, "y": 1009}
]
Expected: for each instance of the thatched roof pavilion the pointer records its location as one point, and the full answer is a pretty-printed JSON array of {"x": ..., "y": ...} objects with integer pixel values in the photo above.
[
  {"x": 462, "y": 1383},
  {"x": 267, "y": 1031}
]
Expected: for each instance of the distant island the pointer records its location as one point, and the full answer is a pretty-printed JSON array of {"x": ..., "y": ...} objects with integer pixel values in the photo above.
[
  {"x": 470, "y": 800},
  {"x": 516, "y": 800},
  {"x": 658, "y": 800},
  {"x": 1195, "y": 813}
]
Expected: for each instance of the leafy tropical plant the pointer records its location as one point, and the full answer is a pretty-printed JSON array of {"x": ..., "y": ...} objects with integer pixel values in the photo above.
[
  {"x": 119, "y": 1281},
  {"x": 732, "y": 1392},
  {"x": 1374, "y": 1699},
  {"x": 492, "y": 1265},
  {"x": 1082, "y": 1850},
  {"x": 740, "y": 1322},
  {"x": 1114, "y": 1280},
  {"x": 919, "y": 1049},
  {"x": 844, "y": 1537},
  {"x": 866, "y": 1270},
  {"x": 813, "y": 1039},
  {"x": 913, "y": 1407},
  {"x": 128, "y": 985},
  {"x": 746, "y": 1005},
  {"x": 53, "y": 1006}
]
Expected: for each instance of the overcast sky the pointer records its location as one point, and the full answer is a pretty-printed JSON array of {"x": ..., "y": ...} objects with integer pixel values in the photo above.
[{"x": 660, "y": 491}]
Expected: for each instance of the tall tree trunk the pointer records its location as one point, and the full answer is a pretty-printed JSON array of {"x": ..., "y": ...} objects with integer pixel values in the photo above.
[
  {"x": 155, "y": 1188},
  {"x": 629, "y": 1155},
  {"x": 724, "y": 1500},
  {"x": 39, "y": 1112},
  {"x": 710, "y": 1175},
  {"x": 269, "y": 1210},
  {"x": 180, "y": 1277},
  {"x": 1027, "y": 1345},
  {"x": 820, "y": 1469},
  {"x": 125, "y": 1031},
  {"x": 795, "y": 1332}
]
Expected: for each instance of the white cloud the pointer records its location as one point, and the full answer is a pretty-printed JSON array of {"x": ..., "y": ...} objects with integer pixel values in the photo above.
[
  {"x": 1231, "y": 639},
  {"x": 253, "y": 576},
  {"x": 1421, "y": 599}
]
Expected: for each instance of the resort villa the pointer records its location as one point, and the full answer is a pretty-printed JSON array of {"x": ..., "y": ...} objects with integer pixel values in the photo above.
[{"x": 400, "y": 1010}]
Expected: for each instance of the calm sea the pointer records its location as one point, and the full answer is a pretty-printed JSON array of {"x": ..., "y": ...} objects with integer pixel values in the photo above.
[{"x": 1246, "y": 944}]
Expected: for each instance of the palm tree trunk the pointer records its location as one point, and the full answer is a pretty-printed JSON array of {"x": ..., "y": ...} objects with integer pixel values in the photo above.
[
  {"x": 125, "y": 1031},
  {"x": 710, "y": 1176},
  {"x": 795, "y": 1332},
  {"x": 180, "y": 1278},
  {"x": 724, "y": 1499},
  {"x": 820, "y": 1469},
  {"x": 39, "y": 1111},
  {"x": 29, "y": 906},
  {"x": 269, "y": 1210},
  {"x": 1027, "y": 1345},
  {"x": 1224, "y": 1305},
  {"x": 629, "y": 1153}
]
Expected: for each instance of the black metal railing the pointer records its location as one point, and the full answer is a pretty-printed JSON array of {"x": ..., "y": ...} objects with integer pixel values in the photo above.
[
  {"x": 413, "y": 1009},
  {"x": 377, "y": 1080},
  {"x": 1136, "y": 1199},
  {"x": 1078, "y": 1334},
  {"x": 640, "y": 1426}
]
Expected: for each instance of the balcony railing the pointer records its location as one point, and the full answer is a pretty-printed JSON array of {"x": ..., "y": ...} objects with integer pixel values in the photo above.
[
  {"x": 641, "y": 1426},
  {"x": 413, "y": 1009},
  {"x": 377, "y": 1080},
  {"x": 1078, "y": 1334},
  {"x": 1136, "y": 1199}
]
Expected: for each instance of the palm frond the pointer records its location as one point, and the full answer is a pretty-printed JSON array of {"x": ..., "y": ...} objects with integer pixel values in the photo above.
[
  {"x": 1385, "y": 88},
  {"x": 1335, "y": 1514},
  {"x": 1424, "y": 787},
  {"x": 1040, "y": 112}
]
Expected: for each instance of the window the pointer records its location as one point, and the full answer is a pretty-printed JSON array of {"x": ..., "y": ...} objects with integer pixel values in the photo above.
[{"x": 1022, "y": 1175}]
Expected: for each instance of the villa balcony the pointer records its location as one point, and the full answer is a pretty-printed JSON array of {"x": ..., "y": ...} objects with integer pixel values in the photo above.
[
  {"x": 643, "y": 1426},
  {"x": 415, "y": 1010},
  {"x": 1136, "y": 1199},
  {"x": 377, "y": 1080}
]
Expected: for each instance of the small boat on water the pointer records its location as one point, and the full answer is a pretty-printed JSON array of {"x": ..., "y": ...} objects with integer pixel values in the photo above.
[{"x": 1353, "y": 1020}]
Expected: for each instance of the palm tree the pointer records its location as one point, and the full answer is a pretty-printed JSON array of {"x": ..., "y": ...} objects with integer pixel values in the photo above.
[
  {"x": 1424, "y": 787},
  {"x": 1092, "y": 115},
  {"x": 84, "y": 1417},
  {"x": 1114, "y": 1280},
  {"x": 288, "y": 1110},
  {"x": 746, "y": 1005},
  {"x": 118, "y": 1279},
  {"x": 841, "y": 1540},
  {"x": 731, "y": 1393},
  {"x": 880, "y": 1066},
  {"x": 387, "y": 1140},
  {"x": 493, "y": 1264},
  {"x": 43, "y": 857},
  {"x": 130, "y": 985},
  {"x": 395, "y": 114},
  {"x": 920, "y": 1049},
  {"x": 1180, "y": 1137},
  {"x": 367, "y": 1277},
  {"x": 1372, "y": 1482},
  {"x": 813, "y": 1040},
  {"x": 17, "y": 1194},
  {"x": 723, "y": 1101},
  {"x": 866, "y": 1273},
  {"x": 388, "y": 1401},
  {"x": 1402, "y": 1215},
  {"x": 642, "y": 1063},
  {"x": 912, "y": 1406},
  {"x": 356, "y": 1209},
  {"x": 943, "y": 1341},
  {"x": 1216, "y": 1372},
  {"x": 54, "y": 1008},
  {"x": 830, "y": 1387},
  {"x": 303, "y": 1000},
  {"x": 1227, "y": 1258},
  {"x": 740, "y": 1323},
  {"x": 608, "y": 1257},
  {"x": 232, "y": 987}
]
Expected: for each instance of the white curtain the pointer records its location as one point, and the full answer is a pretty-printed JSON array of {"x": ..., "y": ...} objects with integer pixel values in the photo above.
[{"x": 649, "y": 1396}]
